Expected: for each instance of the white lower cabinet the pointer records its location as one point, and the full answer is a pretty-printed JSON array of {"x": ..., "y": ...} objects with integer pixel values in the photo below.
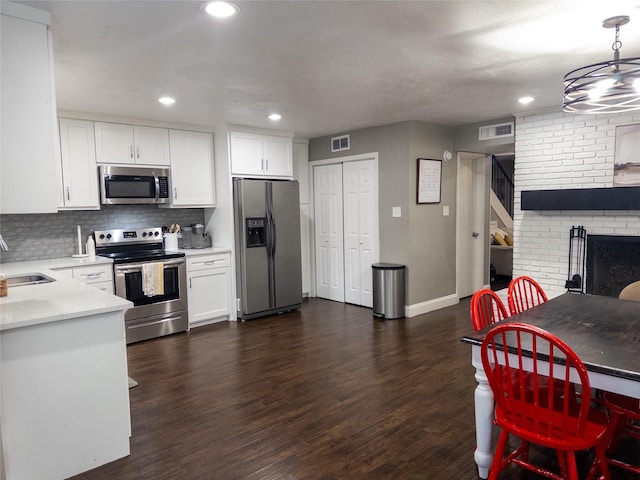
[
  {"x": 98, "y": 276},
  {"x": 209, "y": 283}
]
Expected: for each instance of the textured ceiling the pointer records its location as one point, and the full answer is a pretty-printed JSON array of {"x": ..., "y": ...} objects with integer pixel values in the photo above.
[{"x": 326, "y": 66}]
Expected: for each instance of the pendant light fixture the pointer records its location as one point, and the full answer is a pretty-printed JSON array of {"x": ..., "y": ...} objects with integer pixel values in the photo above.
[{"x": 606, "y": 87}]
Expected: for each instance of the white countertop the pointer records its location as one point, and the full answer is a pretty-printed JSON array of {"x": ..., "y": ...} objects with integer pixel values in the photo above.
[
  {"x": 52, "y": 263},
  {"x": 190, "y": 252},
  {"x": 63, "y": 299}
]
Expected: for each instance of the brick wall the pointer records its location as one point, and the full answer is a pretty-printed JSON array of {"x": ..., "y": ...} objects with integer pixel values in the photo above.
[{"x": 553, "y": 151}]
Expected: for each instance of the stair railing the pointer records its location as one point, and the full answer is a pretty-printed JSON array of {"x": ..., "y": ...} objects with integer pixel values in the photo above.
[{"x": 502, "y": 185}]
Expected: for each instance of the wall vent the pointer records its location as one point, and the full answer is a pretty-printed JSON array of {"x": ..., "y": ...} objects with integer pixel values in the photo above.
[
  {"x": 500, "y": 130},
  {"x": 340, "y": 143}
]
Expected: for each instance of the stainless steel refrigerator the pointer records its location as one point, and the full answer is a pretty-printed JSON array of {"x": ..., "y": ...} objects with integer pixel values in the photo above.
[{"x": 267, "y": 233}]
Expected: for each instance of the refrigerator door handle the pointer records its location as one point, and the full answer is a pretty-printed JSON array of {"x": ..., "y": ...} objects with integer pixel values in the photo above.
[
  {"x": 272, "y": 226},
  {"x": 271, "y": 250}
]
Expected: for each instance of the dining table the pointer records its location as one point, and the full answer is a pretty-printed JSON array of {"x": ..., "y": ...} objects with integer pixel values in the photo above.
[{"x": 603, "y": 331}]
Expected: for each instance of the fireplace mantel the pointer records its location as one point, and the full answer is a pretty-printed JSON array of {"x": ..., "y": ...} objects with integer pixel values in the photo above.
[{"x": 618, "y": 198}]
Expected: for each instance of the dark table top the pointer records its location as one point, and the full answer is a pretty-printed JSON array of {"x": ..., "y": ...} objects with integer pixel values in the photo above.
[{"x": 603, "y": 331}]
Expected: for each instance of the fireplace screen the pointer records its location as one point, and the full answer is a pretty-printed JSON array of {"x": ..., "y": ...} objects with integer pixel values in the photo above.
[{"x": 613, "y": 262}]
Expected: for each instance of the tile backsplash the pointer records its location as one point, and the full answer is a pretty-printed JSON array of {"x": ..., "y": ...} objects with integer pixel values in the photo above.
[{"x": 54, "y": 235}]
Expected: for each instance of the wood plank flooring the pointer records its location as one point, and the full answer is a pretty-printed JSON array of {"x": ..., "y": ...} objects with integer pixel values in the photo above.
[{"x": 326, "y": 393}]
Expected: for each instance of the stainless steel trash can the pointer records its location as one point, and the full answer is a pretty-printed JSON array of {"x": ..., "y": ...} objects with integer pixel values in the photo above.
[{"x": 388, "y": 290}]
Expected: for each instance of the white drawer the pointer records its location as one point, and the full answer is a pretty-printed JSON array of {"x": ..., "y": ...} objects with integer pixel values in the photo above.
[
  {"x": 94, "y": 273},
  {"x": 203, "y": 262},
  {"x": 106, "y": 286}
]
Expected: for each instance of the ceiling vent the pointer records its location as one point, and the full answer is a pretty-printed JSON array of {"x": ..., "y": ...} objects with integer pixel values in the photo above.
[
  {"x": 340, "y": 143},
  {"x": 500, "y": 130}
]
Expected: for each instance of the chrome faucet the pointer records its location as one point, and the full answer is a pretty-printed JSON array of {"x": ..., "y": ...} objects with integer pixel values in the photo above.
[{"x": 3, "y": 245}]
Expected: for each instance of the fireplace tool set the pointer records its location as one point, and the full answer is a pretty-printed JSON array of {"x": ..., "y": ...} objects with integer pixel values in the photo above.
[{"x": 577, "y": 260}]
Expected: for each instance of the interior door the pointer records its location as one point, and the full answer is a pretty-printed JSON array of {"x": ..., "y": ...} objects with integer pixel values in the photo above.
[
  {"x": 327, "y": 182},
  {"x": 472, "y": 239},
  {"x": 360, "y": 189}
]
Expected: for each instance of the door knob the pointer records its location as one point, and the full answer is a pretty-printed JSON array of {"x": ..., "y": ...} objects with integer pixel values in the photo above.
[{"x": 475, "y": 234}]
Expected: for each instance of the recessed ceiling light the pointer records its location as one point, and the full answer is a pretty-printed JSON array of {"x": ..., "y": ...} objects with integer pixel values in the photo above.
[
  {"x": 525, "y": 100},
  {"x": 220, "y": 9},
  {"x": 275, "y": 117},
  {"x": 167, "y": 100}
]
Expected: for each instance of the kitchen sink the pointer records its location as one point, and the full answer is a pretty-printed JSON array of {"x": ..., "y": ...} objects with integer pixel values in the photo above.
[{"x": 28, "y": 279}]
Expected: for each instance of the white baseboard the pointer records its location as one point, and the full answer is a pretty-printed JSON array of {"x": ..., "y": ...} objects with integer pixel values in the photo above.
[{"x": 430, "y": 305}]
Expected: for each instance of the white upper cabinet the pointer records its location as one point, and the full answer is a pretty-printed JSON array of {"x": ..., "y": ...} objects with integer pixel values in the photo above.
[
  {"x": 278, "y": 157},
  {"x": 79, "y": 169},
  {"x": 28, "y": 140},
  {"x": 131, "y": 144},
  {"x": 254, "y": 154},
  {"x": 192, "y": 170}
]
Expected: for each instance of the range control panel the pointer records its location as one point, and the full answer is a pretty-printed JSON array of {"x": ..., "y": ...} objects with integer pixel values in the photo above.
[{"x": 130, "y": 236}]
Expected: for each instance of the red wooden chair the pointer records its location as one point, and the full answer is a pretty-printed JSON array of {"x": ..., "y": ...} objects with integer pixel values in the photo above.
[
  {"x": 624, "y": 411},
  {"x": 535, "y": 414},
  {"x": 524, "y": 293},
  {"x": 486, "y": 309}
]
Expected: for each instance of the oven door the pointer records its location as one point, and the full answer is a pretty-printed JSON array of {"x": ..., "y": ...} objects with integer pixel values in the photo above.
[{"x": 129, "y": 285}]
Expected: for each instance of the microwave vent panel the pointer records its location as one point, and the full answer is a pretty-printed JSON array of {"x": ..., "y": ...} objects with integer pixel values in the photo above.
[
  {"x": 338, "y": 144},
  {"x": 500, "y": 130}
]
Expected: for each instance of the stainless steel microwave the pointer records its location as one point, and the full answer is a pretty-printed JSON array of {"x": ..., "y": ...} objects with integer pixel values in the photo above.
[{"x": 121, "y": 185}]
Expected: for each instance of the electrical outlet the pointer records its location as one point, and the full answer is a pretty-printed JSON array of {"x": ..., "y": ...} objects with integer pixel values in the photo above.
[
  {"x": 396, "y": 211},
  {"x": 445, "y": 211}
]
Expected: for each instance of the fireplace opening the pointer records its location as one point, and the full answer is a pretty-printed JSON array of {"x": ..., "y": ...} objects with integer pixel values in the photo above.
[{"x": 613, "y": 262}]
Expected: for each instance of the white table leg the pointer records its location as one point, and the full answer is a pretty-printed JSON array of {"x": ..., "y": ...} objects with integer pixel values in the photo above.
[{"x": 483, "y": 401}]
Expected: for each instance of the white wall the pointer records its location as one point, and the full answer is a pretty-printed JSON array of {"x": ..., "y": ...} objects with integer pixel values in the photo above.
[{"x": 560, "y": 151}]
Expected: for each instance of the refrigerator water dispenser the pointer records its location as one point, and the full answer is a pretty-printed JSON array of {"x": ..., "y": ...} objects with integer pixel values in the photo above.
[{"x": 256, "y": 232}]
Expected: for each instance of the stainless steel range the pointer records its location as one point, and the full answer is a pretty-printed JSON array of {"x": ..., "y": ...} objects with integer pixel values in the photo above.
[{"x": 153, "y": 279}]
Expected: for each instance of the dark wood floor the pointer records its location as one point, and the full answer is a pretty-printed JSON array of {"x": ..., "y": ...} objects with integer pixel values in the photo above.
[{"x": 325, "y": 393}]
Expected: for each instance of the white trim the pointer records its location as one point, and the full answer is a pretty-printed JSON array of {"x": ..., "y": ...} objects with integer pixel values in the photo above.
[
  {"x": 348, "y": 158},
  {"x": 25, "y": 12},
  {"x": 430, "y": 305},
  {"x": 259, "y": 131}
]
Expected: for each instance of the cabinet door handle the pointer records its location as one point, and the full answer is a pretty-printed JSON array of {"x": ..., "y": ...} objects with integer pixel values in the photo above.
[
  {"x": 92, "y": 275},
  {"x": 131, "y": 151},
  {"x": 68, "y": 193},
  {"x": 262, "y": 164},
  {"x": 267, "y": 164},
  {"x": 189, "y": 282},
  {"x": 175, "y": 193},
  {"x": 137, "y": 151}
]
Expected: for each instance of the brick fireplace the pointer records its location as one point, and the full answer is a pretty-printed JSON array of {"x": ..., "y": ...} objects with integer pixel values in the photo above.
[{"x": 558, "y": 151}]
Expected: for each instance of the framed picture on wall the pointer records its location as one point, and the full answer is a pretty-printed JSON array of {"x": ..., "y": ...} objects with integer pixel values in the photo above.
[
  {"x": 429, "y": 180},
  {"x": 626, "y": 166}
]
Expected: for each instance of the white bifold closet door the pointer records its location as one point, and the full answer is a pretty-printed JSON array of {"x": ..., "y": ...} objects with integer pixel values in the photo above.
[
  {"x": 346, "y": 230},
  {"x": 327, "y": 187},
  {"x": 360, "y": 189}
]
